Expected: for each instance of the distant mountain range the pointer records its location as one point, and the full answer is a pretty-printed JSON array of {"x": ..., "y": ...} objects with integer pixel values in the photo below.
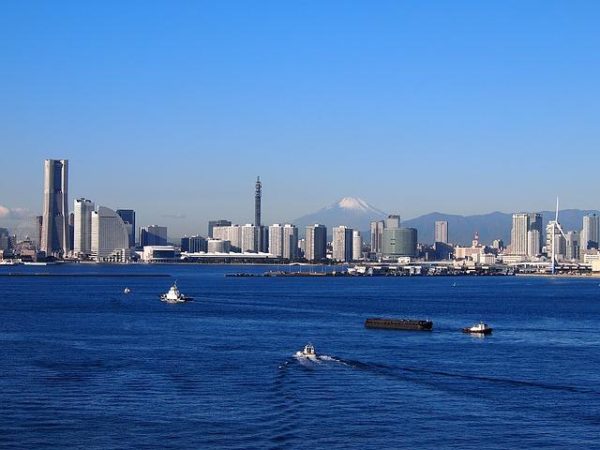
[{"x": 358, "y": 214}]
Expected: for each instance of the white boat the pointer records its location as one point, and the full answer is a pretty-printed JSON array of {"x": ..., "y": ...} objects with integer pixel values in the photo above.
[
  {"x": 174, "y": 296},
  {"x": 308, "y": 352},
  {"x": 126, "y": 290},
  {"x": 479, "y": 328}
]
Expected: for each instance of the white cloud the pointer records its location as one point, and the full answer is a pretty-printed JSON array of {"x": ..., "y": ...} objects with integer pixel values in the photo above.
[{"x": 14, "y": 213}]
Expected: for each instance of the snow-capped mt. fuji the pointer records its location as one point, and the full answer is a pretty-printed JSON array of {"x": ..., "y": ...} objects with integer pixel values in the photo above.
[{"x": 350, "y": 211}]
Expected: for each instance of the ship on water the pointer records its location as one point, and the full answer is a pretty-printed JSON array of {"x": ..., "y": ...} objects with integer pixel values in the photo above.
[{"x": 399, "y": 324}]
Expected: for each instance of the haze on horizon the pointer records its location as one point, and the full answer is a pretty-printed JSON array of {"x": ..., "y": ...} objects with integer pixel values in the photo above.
[{"x": 174, "y": 108}]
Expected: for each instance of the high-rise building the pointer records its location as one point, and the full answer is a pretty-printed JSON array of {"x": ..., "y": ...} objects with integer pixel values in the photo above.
[
  {"x": 249, "y": 238},
  {"x": 377, "y": 235},
  {"x": 392, "y": 222},
  {"x": 533, "y": 243},
  {"x": 110, "y": 241},
  {"x": 441, "y": 231},
  {"x": 590, "y": 233},
  {"x": 290, "y": 242},
  {"x": 560, "y": 244},
  {"x": 342, "y": 244},
  {"x": 522, "y": 223},
  {"x": 316, "y": 243},
  {"x": 231, "y": 233},
  {"x": 55, "y": 227},
  {"x": 399, "y": 242},
  {"x": 153, "y": 235},
  {"x": 276, "y": 240},
  {"x": 128, "y": 217},
  {"x": 82, "y": 227},
  {"x": 572, "y": 246},
  {"x": 357, "y": 244},
  {"x": 217, "y": 223}
]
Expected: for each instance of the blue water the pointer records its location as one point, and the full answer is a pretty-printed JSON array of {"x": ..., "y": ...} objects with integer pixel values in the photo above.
[{"x": 85, "y": 366}]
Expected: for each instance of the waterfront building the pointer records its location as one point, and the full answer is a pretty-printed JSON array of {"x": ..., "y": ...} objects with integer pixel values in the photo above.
[
  {"x": 357, "y": 244},
  {"x": 218, "y": 246},
  {"x": 55, "y": 227},
  {"x": 377, "y": 228},
  {"x": 128, "y": 217},
  {"x": 471, "y": 252},
  {"x": 217, "y": 223},
  {"x": 290, "y": 242},
  {"x": 232, "y": 233},
  {"x": 590, "y": 233},
  {"x": 110, "y": 241},
  {"x": 276, "y": 240},
  {"x": 342, "y": 244},
  {"x": 82, "y": 227},
  {"x": 441, "y": 231},
  {"x": 249, "y": 238},
  {"x": 399, "y": 242},
  {"x": 193, "y": 244},
  {"x": 159, "y": 253},
  {"x": 316, "y": 243},
  {"x": 560, "y": 244},
  {"x": 152, "y": 235}
]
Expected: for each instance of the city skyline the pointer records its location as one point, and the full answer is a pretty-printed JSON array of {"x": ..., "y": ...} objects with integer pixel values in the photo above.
[{"x": 356, "y": 93}]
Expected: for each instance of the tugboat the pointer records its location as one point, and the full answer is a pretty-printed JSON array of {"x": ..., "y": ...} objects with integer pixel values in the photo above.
[
  {"x": 174, "y": 296},
  {"x": 308, "y": 352},
  {"x": 479, "y": 328}
]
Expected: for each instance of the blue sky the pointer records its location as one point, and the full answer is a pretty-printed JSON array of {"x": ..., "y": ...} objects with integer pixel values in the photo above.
[{"x": 173, "y": 108}]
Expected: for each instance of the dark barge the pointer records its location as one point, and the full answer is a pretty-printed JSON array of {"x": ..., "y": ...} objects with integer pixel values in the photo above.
[{"x": 399, "y": 324}]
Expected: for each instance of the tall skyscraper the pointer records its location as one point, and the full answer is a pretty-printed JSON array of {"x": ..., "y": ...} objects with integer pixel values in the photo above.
[
  {"x": 249, "y": 238},
  {"x": 276, "y": 240},
  {"x": 152, "y": 235},
  {"x": 257, "y": 201},
  {"x": 82, "y": 228},
  {"x": 393, "y": 221},
  {"x": 520, "y": 243},
  {"x": 377, "y": 235},
  {"x": 441, "y": 231},
  {"x": 128, "y": 217},
  {"x": 357, "y": 244},
  {"x": 110, "y": 241},
  {"x": 572, "y": 246},
  {"x": 231, "y": 233},
  {"x": 342, "y": 244},
  {"x": 55, "y": 227},
  {"x": 316, "y": 243},
  {"x": 217, "y": 223},
  {"x": 590, "y": 233},
  {"x": 560, "y": 244}
]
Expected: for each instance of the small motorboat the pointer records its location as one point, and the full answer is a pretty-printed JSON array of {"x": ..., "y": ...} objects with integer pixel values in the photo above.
[
  {"x": 308, "y": 352},
  {"x": 174, "y": 296},
  {"x": 479, "y": 328},
  {"x": 126, "y": 290}
]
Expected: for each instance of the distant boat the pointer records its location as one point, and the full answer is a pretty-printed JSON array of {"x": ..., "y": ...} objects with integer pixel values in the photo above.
[
  {"x": 174, "y": 296},
  {"x": 126, "y": 290},
  {"x": 479, "y": 328},
  {"x": 453, "y": 284},
  {"x": 308, "y": 352}
]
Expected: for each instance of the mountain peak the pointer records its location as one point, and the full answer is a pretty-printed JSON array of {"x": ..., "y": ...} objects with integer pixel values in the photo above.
[{"x": 353, "y": 203}]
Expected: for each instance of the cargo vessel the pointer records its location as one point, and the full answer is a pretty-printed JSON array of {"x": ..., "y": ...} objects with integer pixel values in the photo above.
[{"x": 399, "y": 324}]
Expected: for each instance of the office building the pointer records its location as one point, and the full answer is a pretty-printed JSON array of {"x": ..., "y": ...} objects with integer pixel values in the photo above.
[
  {"x": 392, "y": 222},
  {"x": 128, "y": 217},
  {"x": 590, "y": 233},
  {"x": 357, "y": 244},
  {"x": 520, "y": 243},
  {"x": 572, "y": 246},
  {"x": 194, "y": 244},
  {"x": 342, "y": 244},
  {"x": 377, "y": 235},
  {"x": 217, "y": 223},
  {"x": 560, "y": 244},
  {"x": 55, "y": 227},
  {"x": 315, "y": 247},
  {"x": 110, "y": 241},
  {"x": 533, "y": 243},
  {"x": 152, "y": 235},
  {"x": 441, "y": 231},
  {"x": 231, "y": 233},
  {"x": 82, "y": 227},
  {"x": 399, "y": 242},
  {"x": 218, "y": 246}
]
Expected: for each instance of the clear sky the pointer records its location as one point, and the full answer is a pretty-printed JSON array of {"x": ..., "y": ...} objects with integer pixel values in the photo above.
[{"x": 173, "y": 108}]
